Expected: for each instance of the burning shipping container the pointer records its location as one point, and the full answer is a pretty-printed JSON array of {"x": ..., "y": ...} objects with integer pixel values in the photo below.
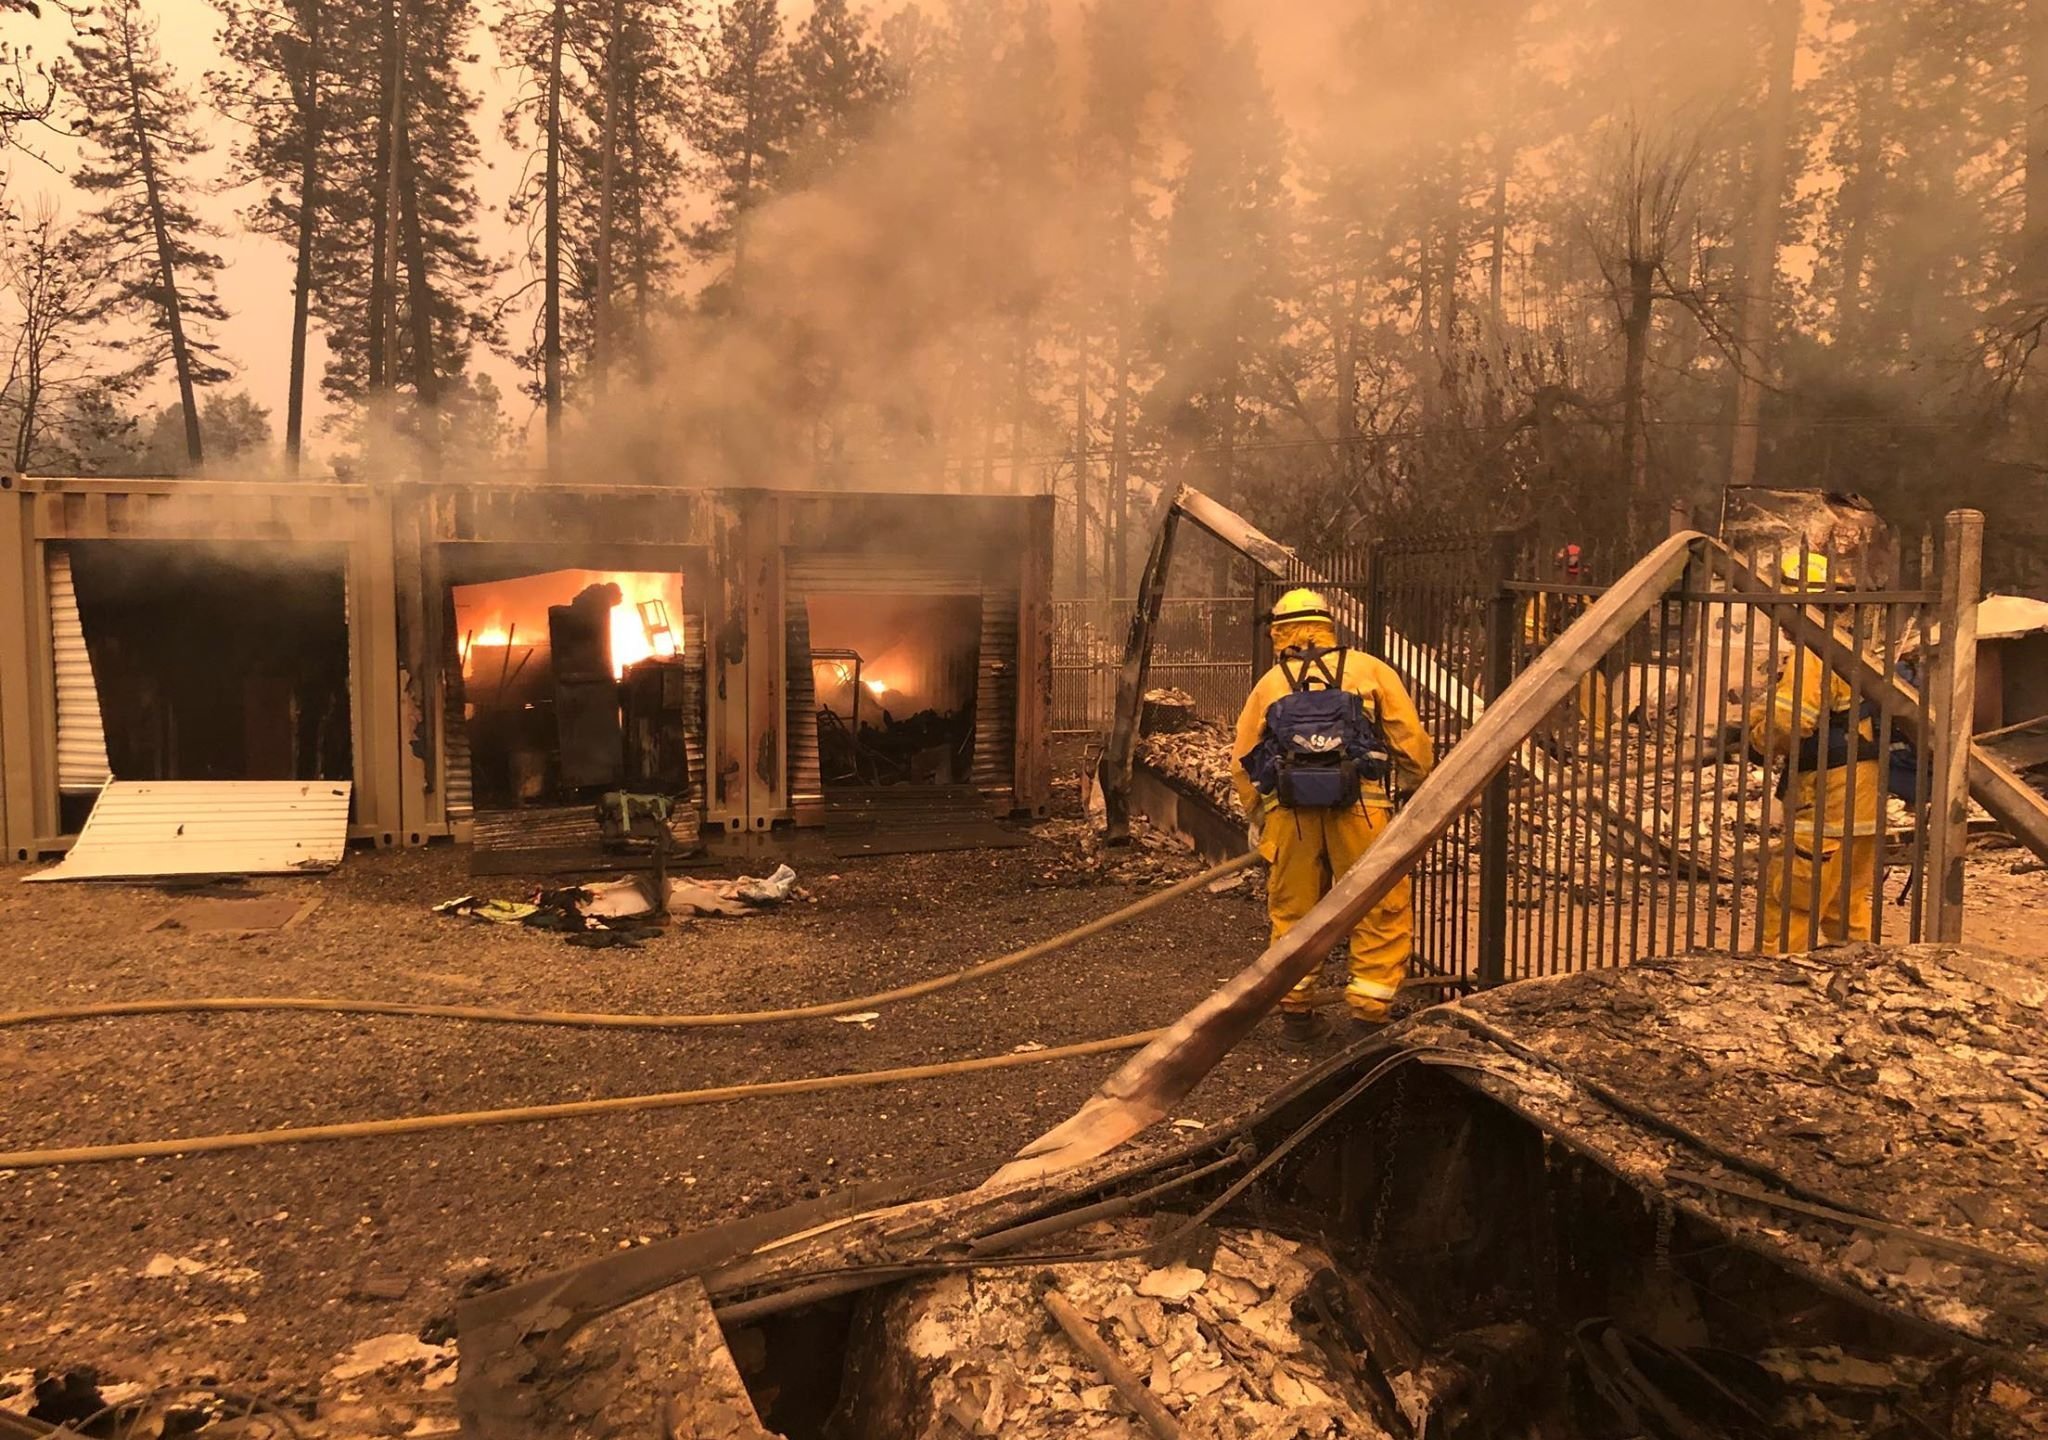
[{"x": 514, "y": 648}]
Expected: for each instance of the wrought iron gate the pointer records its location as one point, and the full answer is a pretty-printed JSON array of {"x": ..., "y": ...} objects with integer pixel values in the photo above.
[{"x": 1659, "y": 810}]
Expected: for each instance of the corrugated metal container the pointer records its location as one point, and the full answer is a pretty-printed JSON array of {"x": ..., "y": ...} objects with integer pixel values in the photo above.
[
  {"x": 82, "y": 766},
  {"x": 209, "y": 827}
]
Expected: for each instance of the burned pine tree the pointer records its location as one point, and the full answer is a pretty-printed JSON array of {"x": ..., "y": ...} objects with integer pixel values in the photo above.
[
  {"x": 142, "y": 142},
  {"x": 597, "y": 111},
  {"x": 1225, "y": 275},
  {"x": 400, "y": 279},
  {"x": 56, "y": 285},
  {"x": 740, "y": 116},
  {"x": 536, "y": 37},
  {"x": 281, "y": 87},
  {"x": 1118, "y": 150},
  {"x": 625, "y": 94}
]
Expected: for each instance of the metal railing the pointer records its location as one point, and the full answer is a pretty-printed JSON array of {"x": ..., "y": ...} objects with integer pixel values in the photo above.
[
  {"x": 1717, "y": 781},
  {"x": 1203, "y": 648}
]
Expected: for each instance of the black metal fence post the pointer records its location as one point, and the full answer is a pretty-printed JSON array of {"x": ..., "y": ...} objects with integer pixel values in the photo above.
[{"x": 1493, "y": 809}]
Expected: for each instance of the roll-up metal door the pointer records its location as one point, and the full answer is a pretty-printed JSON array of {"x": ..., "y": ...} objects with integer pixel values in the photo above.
[
  {"x": 457, "y": 782},
  {"x": 869, "y": 575},
  {"x": 806, "y": 780},
  {"x": 82, "y": 766},
  {"x": 693, "y": 702},
  {"x": 995, "y": 697},
  {"x": 809, "y": 575}
]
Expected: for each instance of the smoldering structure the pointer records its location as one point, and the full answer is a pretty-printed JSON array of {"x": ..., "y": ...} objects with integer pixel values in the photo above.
[{"x": 482, "y": 657}]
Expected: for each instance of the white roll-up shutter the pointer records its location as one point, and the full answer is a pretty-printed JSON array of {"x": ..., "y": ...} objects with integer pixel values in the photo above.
[{"x": 81, "y": 735}]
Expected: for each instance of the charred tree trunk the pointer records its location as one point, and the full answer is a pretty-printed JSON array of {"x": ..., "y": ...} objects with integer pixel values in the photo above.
[
  {"x": 1635, "y": 438},
  {"x": 1118, "y": 540},
  {"x": 1452, "y": 261},
  {"x": 551, "y": 281},
  {"x": 383, "y": 336},
  {"x": 643, "y": 303},
  {"x": 1759, "y": 272},
  {"x": 1081, "y": 471},
  {"x": 1858, "y": 207},
  {"x": 2034, "y": 249},
  {"x": 1020, "y": 403},
  {"x": 1497, "y": 260},
  {"x": 419, "y": 301},
  {"x": 310, "y": 137},
  {"x": 166, "y": 263},
  {"x": 607, "y": 192}
]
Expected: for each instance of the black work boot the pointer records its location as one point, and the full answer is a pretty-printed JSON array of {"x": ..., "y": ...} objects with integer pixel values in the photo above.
[{"x": 1303, "y": 1027}]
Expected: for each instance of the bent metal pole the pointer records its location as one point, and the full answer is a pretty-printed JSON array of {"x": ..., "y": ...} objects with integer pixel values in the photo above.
[{"x": 1146, "y": 1087}]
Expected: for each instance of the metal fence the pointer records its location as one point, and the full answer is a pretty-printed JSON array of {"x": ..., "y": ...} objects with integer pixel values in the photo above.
[
  {"x": 1664, "y": 807},
  {"x": 1203, "y": 646}
]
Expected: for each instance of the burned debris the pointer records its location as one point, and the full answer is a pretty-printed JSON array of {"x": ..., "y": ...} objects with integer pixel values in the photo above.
[{"x": 1495, "y": 1216}]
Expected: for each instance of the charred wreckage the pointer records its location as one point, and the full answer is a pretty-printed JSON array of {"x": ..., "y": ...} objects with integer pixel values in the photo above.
[{"x": 1709, "y": 1197}]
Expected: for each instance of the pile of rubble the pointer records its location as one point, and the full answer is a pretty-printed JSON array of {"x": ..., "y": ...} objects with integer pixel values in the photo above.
[
  {"x": 1215, "y": 1342},
  {"x": 1152, "y": 857},
  {"x": 1191, "y": 752},
  {"x": 1873, "y": 1114}
]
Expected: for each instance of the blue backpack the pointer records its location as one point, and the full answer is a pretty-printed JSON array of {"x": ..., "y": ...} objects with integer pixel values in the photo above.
[{"x": 1320, "y": 741}]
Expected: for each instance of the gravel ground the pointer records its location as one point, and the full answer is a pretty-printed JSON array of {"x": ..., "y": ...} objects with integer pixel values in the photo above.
[
  {"x": 283, "y": 1239},
  {"x": 287, "y": 1234}
]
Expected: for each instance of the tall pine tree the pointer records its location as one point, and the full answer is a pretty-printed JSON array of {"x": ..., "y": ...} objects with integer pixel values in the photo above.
[
  {"x": 282, "y": 90},
  {"x": 139, "y": 122},
  {"x": 740, "y": 119}
]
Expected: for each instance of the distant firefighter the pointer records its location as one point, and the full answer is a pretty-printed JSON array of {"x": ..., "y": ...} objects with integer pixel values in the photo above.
[
  {"x": 1320, "y": 737},
  {"x": 1547, "y": 617},
  {"x": 1821, "y": 839}
]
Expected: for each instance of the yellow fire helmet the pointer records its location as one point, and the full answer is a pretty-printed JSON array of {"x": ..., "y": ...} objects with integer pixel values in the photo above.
[
  {"x": 1803, "y": 572},
  {"x": 1297, "y": 605}
]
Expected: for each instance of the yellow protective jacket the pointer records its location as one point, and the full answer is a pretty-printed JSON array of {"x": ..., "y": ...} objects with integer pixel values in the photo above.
[
  {"x": 1779, "y": 721},
  {"x": 1412, "y": 752}
]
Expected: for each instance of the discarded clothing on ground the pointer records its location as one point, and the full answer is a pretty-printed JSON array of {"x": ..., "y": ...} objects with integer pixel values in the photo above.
[
  {"x": 496, "y": 912},
  {"x": 604, "y": 914},
  {"x": 564, "y": 911}
]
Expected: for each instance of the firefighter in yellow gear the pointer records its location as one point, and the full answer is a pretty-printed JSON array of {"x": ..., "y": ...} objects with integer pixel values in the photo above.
[
  {"x": 1308, "y": 848},
  {"x": 1543, "y": 621},
  {"x": 1821, "y": 839}
]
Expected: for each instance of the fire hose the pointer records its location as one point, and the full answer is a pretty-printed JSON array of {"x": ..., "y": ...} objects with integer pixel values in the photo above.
[
  {"x": 671, "y": 1099},
  {"x": 599, "y": 1020},
  {"x": 563, "y": 1110}
]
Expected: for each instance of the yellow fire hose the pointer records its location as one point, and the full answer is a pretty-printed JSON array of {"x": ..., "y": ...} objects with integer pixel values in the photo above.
[
  {"x": 600, "y": 1020},
  {"x": 520, "y": 1114}
]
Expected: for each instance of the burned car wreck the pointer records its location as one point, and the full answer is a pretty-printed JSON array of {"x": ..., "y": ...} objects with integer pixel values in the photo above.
[{"x": 1709, "y": 1197}]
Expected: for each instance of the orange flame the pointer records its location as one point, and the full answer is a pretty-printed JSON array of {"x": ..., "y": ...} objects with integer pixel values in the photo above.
[{"x": 646, "y": 622}]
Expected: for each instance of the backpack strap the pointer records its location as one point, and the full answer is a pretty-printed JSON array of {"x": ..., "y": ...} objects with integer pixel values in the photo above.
[{"x": 1309, "y": 658}]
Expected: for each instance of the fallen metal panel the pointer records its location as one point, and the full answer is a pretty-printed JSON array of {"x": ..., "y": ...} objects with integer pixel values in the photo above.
[
  {"x": 208, "y": 827},
  {"x": 82, "y": 764}
]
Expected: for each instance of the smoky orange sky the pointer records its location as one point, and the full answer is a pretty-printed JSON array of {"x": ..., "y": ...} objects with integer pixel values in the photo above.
[{"x": 257, "y": 283}]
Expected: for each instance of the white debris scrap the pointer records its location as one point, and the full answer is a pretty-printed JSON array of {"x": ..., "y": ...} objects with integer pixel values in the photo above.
[{"x": 395, "y": 1351}]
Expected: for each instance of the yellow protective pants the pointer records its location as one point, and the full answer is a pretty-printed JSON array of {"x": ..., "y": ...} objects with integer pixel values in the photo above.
[
  {"x": 1595, "y": 712},
  {"x": 1307, "y": 850},
  {"x": 1788, "y": 915}
]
